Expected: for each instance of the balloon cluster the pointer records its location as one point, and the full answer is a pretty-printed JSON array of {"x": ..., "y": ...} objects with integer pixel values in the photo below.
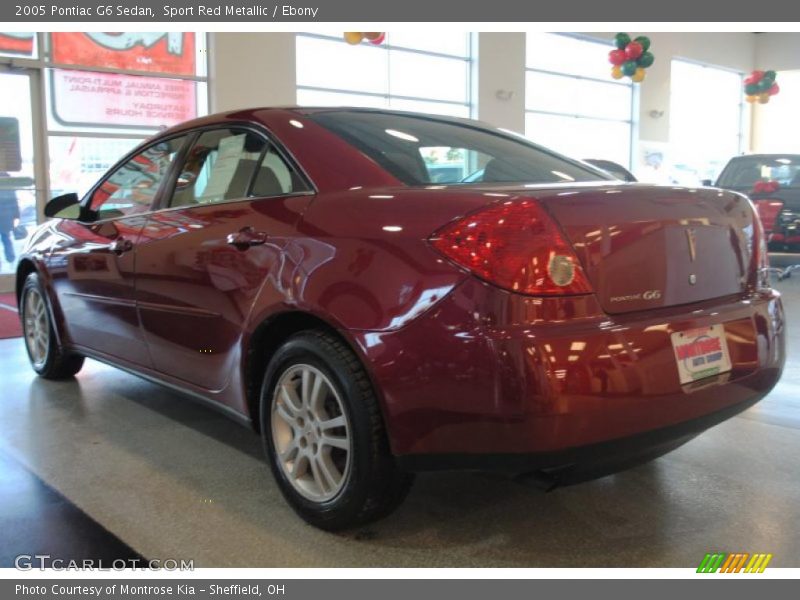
[
  {"x": 631, "y": 57},
  {"x": 356, "y": 37},
  {"x": 760, "y": 85},
  {"x": 766, "y": 187}
]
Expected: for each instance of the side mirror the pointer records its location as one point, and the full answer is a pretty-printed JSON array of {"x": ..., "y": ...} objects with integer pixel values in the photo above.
[
  {"x": 706, "y": 183},
  {"x": 66, "y": 206}
]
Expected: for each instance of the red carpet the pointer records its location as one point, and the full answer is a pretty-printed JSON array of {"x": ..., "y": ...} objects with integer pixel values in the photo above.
[{"x": 10, "y": 327}]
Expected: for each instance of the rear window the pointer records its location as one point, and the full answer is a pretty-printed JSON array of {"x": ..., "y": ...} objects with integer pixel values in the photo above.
[
  {"x": 419, "y": 150},
  {"x": 746, "y": 171}
]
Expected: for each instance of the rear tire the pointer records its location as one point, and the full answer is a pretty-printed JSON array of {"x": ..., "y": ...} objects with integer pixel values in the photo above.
[
  {"x": 324, "y": 435},
  {"x": 47, "y": 357}
]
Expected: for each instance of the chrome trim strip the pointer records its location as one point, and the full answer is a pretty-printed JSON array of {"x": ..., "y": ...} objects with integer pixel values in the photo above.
[
  {"x": 102, "y": 299},
  {"x": 173, "y": 308}
]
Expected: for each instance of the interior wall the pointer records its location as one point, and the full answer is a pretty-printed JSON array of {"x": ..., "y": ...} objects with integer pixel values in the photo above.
[
  {"x": 501, "y": 80},
  {"x": 251, "y": 69},
  {"x": 775, "y": 128}
]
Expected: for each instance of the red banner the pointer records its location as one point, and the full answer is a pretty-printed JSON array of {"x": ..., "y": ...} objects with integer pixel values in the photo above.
[
  {"x": 98, "y": 99},
  {"x": 155, "y": 51},
  {"x": 17, "y": 43}
]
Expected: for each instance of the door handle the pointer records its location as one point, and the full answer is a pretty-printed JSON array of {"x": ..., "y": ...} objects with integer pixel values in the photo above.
[
  {"x": 247, "y": 237},
  {"x": 120, "y": 245}
]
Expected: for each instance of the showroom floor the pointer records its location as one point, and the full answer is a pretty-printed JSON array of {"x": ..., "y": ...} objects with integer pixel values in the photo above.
[{"x": 154, "y": 474}]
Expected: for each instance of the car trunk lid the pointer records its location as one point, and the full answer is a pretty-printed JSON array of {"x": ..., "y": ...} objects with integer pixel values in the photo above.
[{"x": 644, "y": 247}]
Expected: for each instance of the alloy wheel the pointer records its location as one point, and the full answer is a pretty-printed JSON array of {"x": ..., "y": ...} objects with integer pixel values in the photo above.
[
  {"x": 311, "y": 433},
  {"x": 37, "y": 327}
]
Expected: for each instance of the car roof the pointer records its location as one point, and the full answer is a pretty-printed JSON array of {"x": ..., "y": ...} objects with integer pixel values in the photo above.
[{"x": 247, "y": 114}]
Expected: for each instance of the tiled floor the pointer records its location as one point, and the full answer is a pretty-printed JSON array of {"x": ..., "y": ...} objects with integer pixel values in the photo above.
[{"x": 174, "y": 480}]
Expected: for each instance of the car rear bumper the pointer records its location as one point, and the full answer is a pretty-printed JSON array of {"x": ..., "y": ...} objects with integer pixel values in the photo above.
[
  {"x": 579, "y": 463},
  {"x": 488, "y": 378}
]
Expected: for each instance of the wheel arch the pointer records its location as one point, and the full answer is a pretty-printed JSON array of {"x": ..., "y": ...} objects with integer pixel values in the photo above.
[
  {"x": 25, "y": 267},
  {"x": 269, "y": 335}
]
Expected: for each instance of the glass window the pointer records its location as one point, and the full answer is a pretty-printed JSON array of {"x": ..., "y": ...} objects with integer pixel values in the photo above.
[
  {"x": 705, "y": 125},
  {"x": 421, "y": 151},
  {"x": 275, "y": 177},
  {"x": 76, "y": 163},
  {"x": 387, "y": 75},
  {"x": 581, "y": 137},
  {"x": 743, "y": 172},
  {"x": 219, "y": 167},
  {"x": 132, "y": 188},
  {"x": 572, "y": 104}
]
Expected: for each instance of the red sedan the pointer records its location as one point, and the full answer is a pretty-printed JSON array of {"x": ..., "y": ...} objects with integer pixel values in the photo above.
[{"x": 380, "y": 293}]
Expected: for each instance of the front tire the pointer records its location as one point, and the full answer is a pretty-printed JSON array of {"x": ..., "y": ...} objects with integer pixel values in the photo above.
[
  {"x": 324, "y": 436},
  {"x": 47, "y": 358}
]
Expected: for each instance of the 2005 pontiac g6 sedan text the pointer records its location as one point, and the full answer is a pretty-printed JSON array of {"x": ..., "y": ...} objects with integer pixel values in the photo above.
[{"x": 379, "y": 293}]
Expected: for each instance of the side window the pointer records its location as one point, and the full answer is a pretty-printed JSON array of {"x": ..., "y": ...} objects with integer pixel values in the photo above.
[
  {"x": 276, "y": 178},
  {"x": 132, "y": 188},
  {"x": 219, "y": 167}
]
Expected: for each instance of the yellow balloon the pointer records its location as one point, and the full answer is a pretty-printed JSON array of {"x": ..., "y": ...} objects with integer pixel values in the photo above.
[
  {"x": 763, "y": 98},
  {"x": 638, "y": 76},
  {"x": 616, "y": 72},
  {"x": 751, "y": 99},
  {"x": 353, "y": 37}
]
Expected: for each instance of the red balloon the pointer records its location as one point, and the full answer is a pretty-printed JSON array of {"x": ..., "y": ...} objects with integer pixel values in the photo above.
[
  {"x": 774, "y": 89},
  {"x": 378, "y": 40},
  {"x": 633, "y": 50},
  {"x": 757, "y": 75},
  {"x": 749, "y": 80},
  {"x": 617, "y": 57}
]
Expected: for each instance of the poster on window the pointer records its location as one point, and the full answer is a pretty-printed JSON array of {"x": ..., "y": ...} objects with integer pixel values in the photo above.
[
  {"x": 18, "y": 43},
  {"x": 82, "y": 98},
  {"x": 154, "y": 51}
]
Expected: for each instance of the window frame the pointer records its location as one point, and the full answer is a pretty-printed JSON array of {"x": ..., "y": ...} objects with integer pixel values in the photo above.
[
  {"x": 744, "y": 124},
  {"x": 86, "y": 201},
  {"x": 631, "y": 123},
  {"x": 470, "y": 62},
  {"x": 270, "y": 143}
]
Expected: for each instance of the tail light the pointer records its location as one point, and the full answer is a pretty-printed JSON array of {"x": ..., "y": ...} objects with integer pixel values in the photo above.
[{"x": 516, "y": 246}]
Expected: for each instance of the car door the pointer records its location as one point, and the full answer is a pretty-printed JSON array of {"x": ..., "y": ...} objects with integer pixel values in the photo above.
[
  {"x": 203, "y": 258},
  {"x": 93, "y": 266}
]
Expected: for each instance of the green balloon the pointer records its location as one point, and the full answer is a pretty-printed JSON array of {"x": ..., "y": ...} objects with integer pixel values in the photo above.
[
  {"x": 629, "y": 67},
  {"x": 764, "y": 84},
  {"x": 771, "y": 75},
  {"x": 621, "y": 40},
  {"x": 751, "y": 89},
  {"x": 646, "y": 59},
  {"x": 644, "y": 41}
]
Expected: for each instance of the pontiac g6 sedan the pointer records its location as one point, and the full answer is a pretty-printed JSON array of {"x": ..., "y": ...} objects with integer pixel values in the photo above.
[{"x": 314, "y": 274}]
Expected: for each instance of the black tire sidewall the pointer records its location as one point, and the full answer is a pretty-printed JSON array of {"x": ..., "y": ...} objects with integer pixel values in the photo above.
[
  {"x": 32, "y": 281},
  {"x": 306, "y": 349}
]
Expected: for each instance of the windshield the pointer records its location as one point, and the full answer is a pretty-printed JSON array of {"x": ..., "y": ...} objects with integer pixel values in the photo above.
[
  {"x": 421, "y": 150},
  {"x": 745, "y": 172}
]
